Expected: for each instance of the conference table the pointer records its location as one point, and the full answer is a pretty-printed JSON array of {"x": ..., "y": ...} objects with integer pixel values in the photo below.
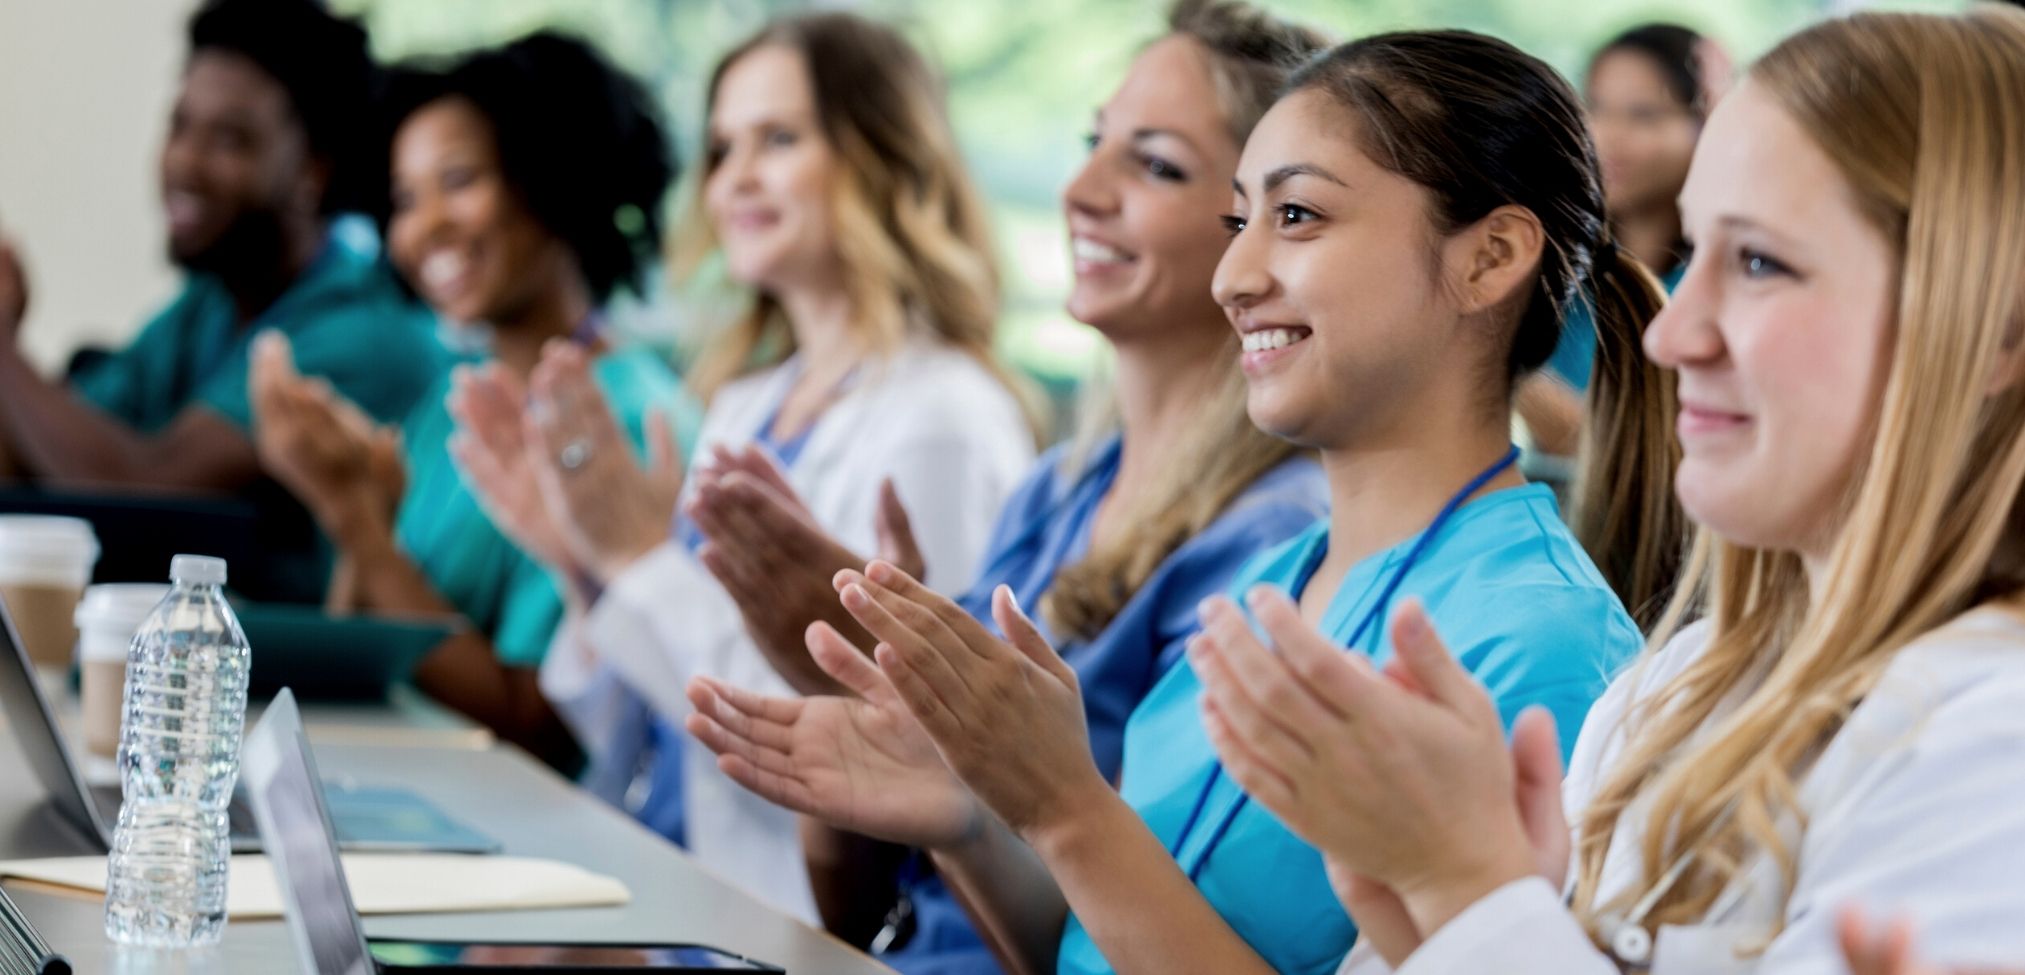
[{"x": 412, "y": 743}]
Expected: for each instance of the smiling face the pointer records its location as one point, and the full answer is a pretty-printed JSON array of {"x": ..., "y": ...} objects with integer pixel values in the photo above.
[
  {"x": 235, "y": 159},
  {"x": 770, "y": 172},
  {"x": 1142, "y": 212},
  {"x": 459, "y": 232},
  {"x": 1779, "y": 331},
  {"x": 1334, "y": 280},
  {"x": 1645, "y": 137}
]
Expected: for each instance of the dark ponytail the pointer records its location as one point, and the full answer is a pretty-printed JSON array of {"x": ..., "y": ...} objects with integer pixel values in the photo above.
[{"x": 1624, "y": 511}]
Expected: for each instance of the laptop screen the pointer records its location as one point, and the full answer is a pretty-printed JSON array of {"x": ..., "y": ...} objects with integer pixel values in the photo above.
[{"x": 282, "y": 783}]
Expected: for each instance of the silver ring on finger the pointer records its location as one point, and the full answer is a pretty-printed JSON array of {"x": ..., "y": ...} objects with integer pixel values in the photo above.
[{"x": 574, "y": 455}]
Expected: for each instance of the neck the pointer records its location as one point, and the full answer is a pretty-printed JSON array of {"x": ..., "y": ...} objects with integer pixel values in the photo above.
[
  {"x": 1650, "y": 234},
  {"x": 1161, "y": 386},
  {"x": 258, "y": 284},
  {"x": 554, "y": 312},
  {"x": 1388, "y": 490},
  {"x": 822, "y": 322}
]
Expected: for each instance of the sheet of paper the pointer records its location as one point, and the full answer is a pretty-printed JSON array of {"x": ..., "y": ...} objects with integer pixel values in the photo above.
[{"x": 381, "y": 883}]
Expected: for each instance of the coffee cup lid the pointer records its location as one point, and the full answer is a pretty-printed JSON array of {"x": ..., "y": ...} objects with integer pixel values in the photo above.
[
  {"x": 47, "y": 549},
  {"x": 119, "y": 605}
]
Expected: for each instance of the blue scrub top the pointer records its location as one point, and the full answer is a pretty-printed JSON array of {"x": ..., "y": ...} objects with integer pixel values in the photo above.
[
  {"x": 1574, "y": 355},
  {"x": 505, "y": 593},
  {"x": 1046, "y": 525},
  {"x": 1512, "y": 595}
]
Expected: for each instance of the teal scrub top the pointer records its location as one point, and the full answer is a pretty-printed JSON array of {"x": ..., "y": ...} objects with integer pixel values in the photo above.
[
  {"x": 1511, "y": 594},
  {"x": 1574, "y": 355},
  {"x": 348, "y": 320},
  {"x": 506, "y": 594}
]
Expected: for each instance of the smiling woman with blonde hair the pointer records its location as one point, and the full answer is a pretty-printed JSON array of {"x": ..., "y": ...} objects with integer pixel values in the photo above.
[{"x": 833, "y": 192}]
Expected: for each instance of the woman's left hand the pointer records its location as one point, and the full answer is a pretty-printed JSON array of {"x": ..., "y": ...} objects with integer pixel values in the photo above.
[
  {"x": 346, "y": 469},
  {"x": 1007, "y": 715},
  {"x": 1402, "y": 778}
]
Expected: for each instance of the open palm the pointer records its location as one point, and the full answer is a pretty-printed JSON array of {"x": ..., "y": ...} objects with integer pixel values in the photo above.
[{"x": 860, "y": 764}]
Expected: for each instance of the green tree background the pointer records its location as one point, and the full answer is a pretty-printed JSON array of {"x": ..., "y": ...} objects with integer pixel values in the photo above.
[{"x": 1024, "y": 76}]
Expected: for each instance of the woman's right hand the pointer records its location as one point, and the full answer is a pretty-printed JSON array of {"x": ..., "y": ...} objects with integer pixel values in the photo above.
[
  {"x": 777, "y": 562},
  {"x": 860, "y": 764}
]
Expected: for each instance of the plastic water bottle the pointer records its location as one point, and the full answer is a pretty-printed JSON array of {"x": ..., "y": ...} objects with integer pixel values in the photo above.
[{"x": 184, "y": 708}]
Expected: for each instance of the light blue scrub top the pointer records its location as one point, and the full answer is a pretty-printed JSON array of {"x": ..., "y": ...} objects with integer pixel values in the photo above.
[
  {"x": 506, "y": 594},
  {"x": 1512, "y": 595},
  {"x": 1045, "y": 526}
]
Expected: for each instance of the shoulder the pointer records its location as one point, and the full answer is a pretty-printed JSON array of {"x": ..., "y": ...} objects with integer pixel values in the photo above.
[
  {"x": 636, "y": 377},
  {"x": 931, "y": 388},
  {"x": 1963, "y": 680},
  {"x": 1283, "y": 502}
]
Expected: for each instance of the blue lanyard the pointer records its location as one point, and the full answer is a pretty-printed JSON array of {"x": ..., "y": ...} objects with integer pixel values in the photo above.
[{"x": 1370, "y": 621}]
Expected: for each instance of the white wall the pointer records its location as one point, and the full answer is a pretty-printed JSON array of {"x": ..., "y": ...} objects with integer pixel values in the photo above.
[{"x": 85, "y": 87}]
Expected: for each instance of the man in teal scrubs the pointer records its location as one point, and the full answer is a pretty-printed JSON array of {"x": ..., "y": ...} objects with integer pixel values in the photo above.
[{"x": 266, "y": 142}]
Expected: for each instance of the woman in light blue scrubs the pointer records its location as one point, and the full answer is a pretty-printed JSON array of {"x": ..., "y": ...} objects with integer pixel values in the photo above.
[
  {"x": 507, "y": 170},
  {"x": 1115, "y": 542},
  {"x": 1410, "y": 219}
]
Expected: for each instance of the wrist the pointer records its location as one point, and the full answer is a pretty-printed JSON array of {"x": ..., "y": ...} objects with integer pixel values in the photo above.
[
  {"x": 1073, "y": 823},
  {"x": 1437, "y": 900},
  {"x": 357, "y": 526}
]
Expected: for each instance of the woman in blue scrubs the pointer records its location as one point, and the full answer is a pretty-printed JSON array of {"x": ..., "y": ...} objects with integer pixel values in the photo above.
[
  {"x": 1410, "y": 219},
  {"x": 1112, "y": 539}
]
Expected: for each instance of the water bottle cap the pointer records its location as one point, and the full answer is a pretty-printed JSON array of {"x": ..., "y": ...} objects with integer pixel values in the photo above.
[{"x": 200, "y": 570}]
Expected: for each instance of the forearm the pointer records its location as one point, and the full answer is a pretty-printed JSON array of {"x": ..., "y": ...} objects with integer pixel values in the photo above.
[
  {"x": 855, "y": 879},
  {"x": 1138, "y": 906},
  {"x": 1009, "y": 894},
  {"x": 463, "y": 671},
  {"x": 58, "y": 438}
]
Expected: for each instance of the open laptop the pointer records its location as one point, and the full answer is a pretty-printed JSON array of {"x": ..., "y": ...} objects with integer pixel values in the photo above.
[
  {"x": 388, "y": 820},
  {"x": 281, "y": 785}
]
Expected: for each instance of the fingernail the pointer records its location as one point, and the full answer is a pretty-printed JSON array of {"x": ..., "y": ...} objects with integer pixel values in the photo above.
[{"x": 855, "y": 596}]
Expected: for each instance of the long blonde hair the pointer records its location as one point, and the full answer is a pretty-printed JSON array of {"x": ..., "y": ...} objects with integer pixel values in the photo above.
[
  {"x": 1925, "y": 116},
  {"x": 912, "y": 236},
  {"x": 1249, "y": 55}
]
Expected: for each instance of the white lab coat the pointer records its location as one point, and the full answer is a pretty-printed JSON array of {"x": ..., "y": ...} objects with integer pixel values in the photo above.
[
  {"x": 955, "y": 443},
  {"x": 1917, "y": 806}
]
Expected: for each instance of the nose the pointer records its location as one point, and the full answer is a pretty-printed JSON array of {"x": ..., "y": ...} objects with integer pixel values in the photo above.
[
  {"x": 1093, "y": 191},
  {"x": 1243, "y": 278},
  {"x": 1685, "y": 333},
  {"x": 736, "y": 170}
]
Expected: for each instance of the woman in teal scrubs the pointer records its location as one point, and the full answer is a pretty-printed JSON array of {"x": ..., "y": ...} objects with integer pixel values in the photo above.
[
  {"x": 1409, "y": 222},
  {"x": 511, "y": 173}
]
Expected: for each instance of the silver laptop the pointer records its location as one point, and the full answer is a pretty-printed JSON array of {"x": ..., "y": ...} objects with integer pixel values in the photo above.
[{"x": 367, "y": 818}]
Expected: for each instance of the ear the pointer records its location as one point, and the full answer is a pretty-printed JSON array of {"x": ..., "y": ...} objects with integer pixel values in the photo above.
[{"x": 1490, "y": 261}]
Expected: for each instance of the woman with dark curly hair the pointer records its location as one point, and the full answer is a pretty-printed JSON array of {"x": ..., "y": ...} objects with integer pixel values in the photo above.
[{"x": 525, "y": 187}]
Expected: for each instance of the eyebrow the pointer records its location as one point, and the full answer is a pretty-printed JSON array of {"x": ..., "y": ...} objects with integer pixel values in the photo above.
[
  {"x": 1285, "y": 173},
  {"x": 1736, "y": 222}
]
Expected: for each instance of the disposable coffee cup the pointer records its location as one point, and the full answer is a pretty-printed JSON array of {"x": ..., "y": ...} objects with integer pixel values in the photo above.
[
  {"x": 107, "y": 619},
  {"x": 45, "y": 563}
]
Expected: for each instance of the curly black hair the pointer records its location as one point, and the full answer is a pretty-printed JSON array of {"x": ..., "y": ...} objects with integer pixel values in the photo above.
[
  {"x": 322, "y": 63},
  {"x": 580, "y": 142}
]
